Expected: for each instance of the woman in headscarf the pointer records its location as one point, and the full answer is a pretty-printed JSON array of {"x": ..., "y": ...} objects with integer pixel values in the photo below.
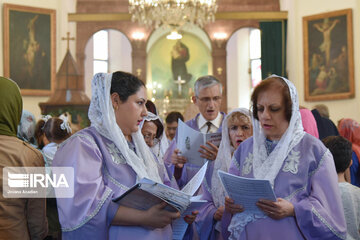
[
  {"x": 108, "y": 158},
  {"x": 298, "y": 166},
  {"x": 236, "y": 128},
  {"x": 350, "y": 129},
  {"x": 153, "y": 131},
  {"x": 21, "y": 218},
  {"x": 309, "y": 122}
]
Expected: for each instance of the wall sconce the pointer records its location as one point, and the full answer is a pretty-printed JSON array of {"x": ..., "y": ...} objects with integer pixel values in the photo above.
[
  {"x": 138, "y": 38},
  {"x": 138, "y": 72},
  {"x": 220, "y": 38}
]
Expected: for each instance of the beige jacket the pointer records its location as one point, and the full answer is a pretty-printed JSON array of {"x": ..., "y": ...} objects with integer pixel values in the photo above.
[{"x": 20, "y": 218}]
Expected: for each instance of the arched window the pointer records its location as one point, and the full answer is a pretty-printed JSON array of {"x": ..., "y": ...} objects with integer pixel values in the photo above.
[
  {"x": 255, "y": 56},
  {"x": 101, "y": 51}
]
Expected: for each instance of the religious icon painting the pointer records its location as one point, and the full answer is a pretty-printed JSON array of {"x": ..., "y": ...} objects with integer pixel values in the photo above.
[
  {"x": 29, "y": 48},
  {"x": 328, "y": 56},
  {"x": 174, "y": 65}
]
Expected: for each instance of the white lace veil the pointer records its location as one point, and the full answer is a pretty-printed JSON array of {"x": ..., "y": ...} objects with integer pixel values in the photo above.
[
  {"x": 268, "y": 167},
  {"x": 102, "y": 117},
  {"x": 160, "y": 148},
  {"x": 223, "y": 158}
]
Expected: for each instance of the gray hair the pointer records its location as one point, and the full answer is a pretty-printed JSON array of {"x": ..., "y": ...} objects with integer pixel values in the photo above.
[
  {"x": 204, "y": 82},
  {"x": 323, "y": 110}
]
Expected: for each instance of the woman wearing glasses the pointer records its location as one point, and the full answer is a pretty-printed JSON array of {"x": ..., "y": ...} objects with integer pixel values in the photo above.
[{"x": 299, "y": 167}]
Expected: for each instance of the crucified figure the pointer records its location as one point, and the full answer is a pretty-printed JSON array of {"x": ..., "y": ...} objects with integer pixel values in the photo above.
[{"x": 326, "y": 27}]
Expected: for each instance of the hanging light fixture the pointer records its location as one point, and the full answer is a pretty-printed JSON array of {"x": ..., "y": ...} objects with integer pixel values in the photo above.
[
  {"x": 174, "y": 35},
  {"x": 172, "y": 13}
]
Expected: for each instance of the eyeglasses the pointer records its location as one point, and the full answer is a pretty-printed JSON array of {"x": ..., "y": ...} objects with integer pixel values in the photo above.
[
  {"x": 150, "y": 137},
  {"x": 208, "y": 99}
]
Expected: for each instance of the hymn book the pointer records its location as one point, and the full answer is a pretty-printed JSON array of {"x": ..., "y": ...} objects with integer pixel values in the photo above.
[
  {"x": 247, "y": 191},
  {"x": 189, "y": 141},
  {"x": 147, "y": 193}
]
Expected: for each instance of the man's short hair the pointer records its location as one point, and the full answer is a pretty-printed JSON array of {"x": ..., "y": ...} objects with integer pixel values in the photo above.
[
  {"x": 341, "y": 150},
  {"x": 173, "y": 117},
  {"x": 204, "y": 82}
]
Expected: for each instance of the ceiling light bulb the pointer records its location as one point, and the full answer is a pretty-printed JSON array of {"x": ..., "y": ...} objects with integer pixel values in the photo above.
[{"x": 174, "y": 35}]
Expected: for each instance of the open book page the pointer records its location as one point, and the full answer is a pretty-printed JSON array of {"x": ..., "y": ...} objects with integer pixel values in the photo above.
[
  {"x": 179, "y": 199},
  {"x": 189, "y": 141},
  {"x": 147, "y": 193},
  {"x": 193, "y": 185},
  {"x": 179, "y": 226},
  {"x": 141, "y": 200},
  {"x": 246, "y": 191},
  {"x": 174, "y": 197}
]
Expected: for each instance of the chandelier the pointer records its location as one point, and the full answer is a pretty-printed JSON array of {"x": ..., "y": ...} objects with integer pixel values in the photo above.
[{"x": 172, "y": 13}]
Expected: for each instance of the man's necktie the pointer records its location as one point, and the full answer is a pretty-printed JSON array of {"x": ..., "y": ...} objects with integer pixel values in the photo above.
[{"x": 209, "y": 126}]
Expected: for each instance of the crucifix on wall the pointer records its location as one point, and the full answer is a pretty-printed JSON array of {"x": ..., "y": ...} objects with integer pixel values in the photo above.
[{"x": 68, "y": 38}]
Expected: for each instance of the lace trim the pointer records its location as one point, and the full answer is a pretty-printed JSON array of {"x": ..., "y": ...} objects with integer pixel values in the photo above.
[
  {"x": 115, "y": 153},
  {"x": 292, "y": 162},
  {"x": 323, "y": 220},
  {"x": 310, "y": 175},
  {"x": 97, "y": 209},
  {"x": 236, "y": 163},
  {"x": 113, "y": 180},
  {"x": 239, "y": 222},
  {"x": 321, "y": 161},
  {"x": 248, "y": 164}
]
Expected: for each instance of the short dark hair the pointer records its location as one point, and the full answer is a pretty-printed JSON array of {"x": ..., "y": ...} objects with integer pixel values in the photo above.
[
  {"x": 173, "y": 117},
  {"x": 53, "y": 131},
  {"x": 160, "y": 128},
  {"x": 39, "y": 132},
  {"x": 341, "y": 150},
  {"x": 150, "y": 106},
  {"x": 125, "y": 84},
  {"x": 266, "y": 84}
]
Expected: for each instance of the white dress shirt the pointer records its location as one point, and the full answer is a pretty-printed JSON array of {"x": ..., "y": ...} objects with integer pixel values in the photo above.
[{"x": 215, "y": 124}]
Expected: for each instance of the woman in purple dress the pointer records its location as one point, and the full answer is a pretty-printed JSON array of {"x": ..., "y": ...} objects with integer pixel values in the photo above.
[
  {"x": 108, "y": 158},
  {"x": 152, "y": 129},
  {"x": 236, "y": 128},
  {"x": 299, "y": 167}
]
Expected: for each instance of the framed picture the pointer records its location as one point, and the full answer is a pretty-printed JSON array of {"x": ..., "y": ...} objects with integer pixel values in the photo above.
[
  {"x": 29, "y": 48},
  {"x": 328, "y": 56}
]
